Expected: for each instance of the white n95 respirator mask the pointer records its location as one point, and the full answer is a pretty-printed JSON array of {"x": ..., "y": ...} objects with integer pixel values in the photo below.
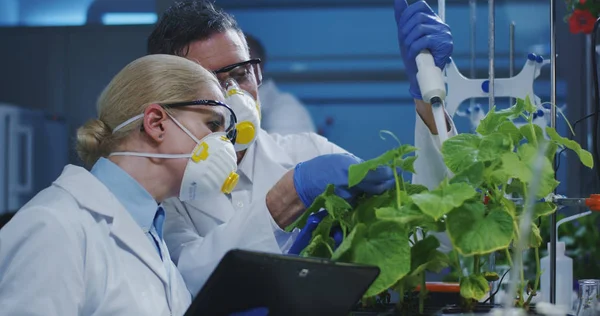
[
  {"x": 210, "y": 169},
  {"x": 247, "y": 111}
]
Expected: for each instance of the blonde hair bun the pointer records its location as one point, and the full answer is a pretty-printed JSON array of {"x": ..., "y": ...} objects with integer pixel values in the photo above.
[{"x": 90, "y": 139}]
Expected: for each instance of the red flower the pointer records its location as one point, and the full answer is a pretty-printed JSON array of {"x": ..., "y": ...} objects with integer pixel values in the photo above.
[{"x": 581, "y": 21}]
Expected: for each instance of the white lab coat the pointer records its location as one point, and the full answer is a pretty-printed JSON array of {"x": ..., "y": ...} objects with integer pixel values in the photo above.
[
  {"x": 282, "y": 113},
  {"x": 75, "y": 250},
  {"x": 189, "y": 225}
]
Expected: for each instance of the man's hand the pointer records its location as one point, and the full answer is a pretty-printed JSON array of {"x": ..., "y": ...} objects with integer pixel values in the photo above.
[
  {"x": 298, "y": 188},
  {"x": 283, "y": 202},
  {"x": 312, "y": 177}
]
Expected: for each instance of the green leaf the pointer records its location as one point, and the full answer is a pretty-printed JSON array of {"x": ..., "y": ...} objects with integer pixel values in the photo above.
[
  {"x": 491, "y": 276},
  {"x": 492, "y": 146},
  {"x": 543, "y": 208},
  {"x": 425, "y": 256},
  {"x": 535, "y": 238},
  {"x": 528, "y": 131},
  {"x": 585, "y": 156},
  {"x": 444, "y": 199},
  {"x": 552, "y": 150},
  {"x": 366, "y": 206},
  {"x": 414, "y": 188},
  {"x": 474, "y": 286},
  {"x": 324, "y": 227},
  {"x": 472, "y": 232},
  {"x": 406, "y": 164},
  {"x": 317, "y": 205},
  {"x": 494, "y": 119},
  {"x": 319, "y": 247},
  {"x": 336, "y": 206},
  {"x": 509, "y": 128},
  {"x": 408, "y": 282},
  {"x": 515, "y": 168},
  {"x": 461, "y": 151},
  {"x": 527, "y": 105},
  {"x": 515, "y": 187},
  {"x": 528, "y": 154},
  {"x": 357, "y": 172},
  {"x": 473, "y": 175},
  {"x": 410, "y": 216},
  {"x": 383, "y": 244}
]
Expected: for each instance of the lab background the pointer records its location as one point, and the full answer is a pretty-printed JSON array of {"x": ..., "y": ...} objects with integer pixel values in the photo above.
[{"x": 340, "y": 58}]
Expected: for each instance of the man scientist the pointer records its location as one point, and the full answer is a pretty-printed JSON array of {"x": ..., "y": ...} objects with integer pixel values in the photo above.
[{"x": 206, "y": 34}]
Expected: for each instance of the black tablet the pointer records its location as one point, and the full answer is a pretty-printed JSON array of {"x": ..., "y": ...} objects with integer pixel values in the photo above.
[{"x": 283, "y": 285}]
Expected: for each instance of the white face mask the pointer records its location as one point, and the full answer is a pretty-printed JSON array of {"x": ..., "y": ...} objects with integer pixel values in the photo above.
[
  {"x": 210, "y": 169},
  {"x": 247, "y": 111}
]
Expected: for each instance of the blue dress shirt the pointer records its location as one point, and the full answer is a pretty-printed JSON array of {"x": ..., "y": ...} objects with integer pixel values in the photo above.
[{"x": 136, "y": 200}]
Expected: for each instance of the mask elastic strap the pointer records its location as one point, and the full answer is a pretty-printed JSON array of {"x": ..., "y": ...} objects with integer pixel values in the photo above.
[
  {"x": 184, "y": 129},
  {"x": 129, "y": 121},
  {"x": 129, "y": 153}
]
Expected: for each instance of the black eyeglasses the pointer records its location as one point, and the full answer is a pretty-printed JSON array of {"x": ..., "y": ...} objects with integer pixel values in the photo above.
[
  {"x": 242, "y": 72},
  {"x": 229, "y": 122}
]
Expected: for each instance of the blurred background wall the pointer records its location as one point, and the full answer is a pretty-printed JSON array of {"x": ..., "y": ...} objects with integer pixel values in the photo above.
[{"x": 339, "y": 57}]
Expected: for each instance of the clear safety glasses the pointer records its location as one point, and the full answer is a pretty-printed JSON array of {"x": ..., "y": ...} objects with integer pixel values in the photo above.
[
  {"x": 243, "y": 73},
  {"x": 228, "y": 122}
]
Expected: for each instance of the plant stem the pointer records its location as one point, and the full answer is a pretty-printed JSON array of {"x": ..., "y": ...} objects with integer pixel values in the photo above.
[
  {"x": 330, "y": 250},
  {"x": 459, "y": 267},
  {"x": 398, "y": 200},
  {"x": 476, "y": 264},
  {"x": 533, "y": 136},
  {"x": 508, "y": 257},
  {"x": 523, "y": 285},
  {"x": 400, "y": 288},
  {"x": 538, "y": 274},
  {"x": 422, "y": 294}
]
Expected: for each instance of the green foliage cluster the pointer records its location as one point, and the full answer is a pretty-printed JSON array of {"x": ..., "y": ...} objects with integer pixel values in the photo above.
[{"x": 475, "y": 207}]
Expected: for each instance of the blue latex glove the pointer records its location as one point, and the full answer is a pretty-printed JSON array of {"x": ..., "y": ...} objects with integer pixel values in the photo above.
[
  {"x": 312, "y": 177},
  {"x": 420, "y": 28},
  {"x": 305, "y": 234}
]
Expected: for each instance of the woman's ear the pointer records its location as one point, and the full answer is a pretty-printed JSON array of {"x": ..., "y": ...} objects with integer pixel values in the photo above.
[{"x": 154, "y": 122}]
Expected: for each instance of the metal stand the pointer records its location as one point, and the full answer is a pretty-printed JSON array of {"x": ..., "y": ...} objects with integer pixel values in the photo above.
[
  {"x": 553, "y": 125},
  {"x": 491, "y": 99}
]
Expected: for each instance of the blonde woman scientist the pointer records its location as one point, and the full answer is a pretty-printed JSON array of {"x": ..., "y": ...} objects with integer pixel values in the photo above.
[{"x": 91, "y": 243}]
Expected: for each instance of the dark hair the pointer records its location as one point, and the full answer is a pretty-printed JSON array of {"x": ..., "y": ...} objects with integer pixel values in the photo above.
[
  {"x": 185, "y": 22},
  {"x": 257, "y": 50}
]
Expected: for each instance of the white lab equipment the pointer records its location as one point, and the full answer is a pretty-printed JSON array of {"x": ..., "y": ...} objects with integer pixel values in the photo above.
[
  {"x": 520, "y": 86},
  {"x": 564, "y": 277},
  {"x": 75, "y": 250},
  {"x": 34, "y": 151}
]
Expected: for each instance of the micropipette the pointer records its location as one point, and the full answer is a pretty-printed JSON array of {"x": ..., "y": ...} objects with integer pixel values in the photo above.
[
  {"x": 432, "y": 83},
  {"x": 433, "y": 90}
]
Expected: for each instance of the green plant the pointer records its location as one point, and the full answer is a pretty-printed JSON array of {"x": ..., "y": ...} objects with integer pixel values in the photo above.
[{"x": 394, "y": 230}]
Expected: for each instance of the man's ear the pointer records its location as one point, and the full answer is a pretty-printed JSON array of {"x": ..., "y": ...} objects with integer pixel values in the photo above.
[{"x": 154, "y": 120}]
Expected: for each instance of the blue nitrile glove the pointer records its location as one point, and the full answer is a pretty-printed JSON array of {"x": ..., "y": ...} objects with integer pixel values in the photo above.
[
  {"x": 420, "y": 28},
  {"x": 312, "y": 177},
  {"x": 305, "y": 234}
]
